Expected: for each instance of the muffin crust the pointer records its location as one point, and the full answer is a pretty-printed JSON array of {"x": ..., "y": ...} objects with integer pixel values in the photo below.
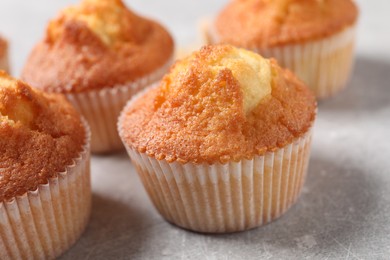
[
  {"x": 40, "y": 134},
  {"x": 269, "y": 23},
  {"x": 97, "y": 44},
  {"x": 197, "y": 114}
]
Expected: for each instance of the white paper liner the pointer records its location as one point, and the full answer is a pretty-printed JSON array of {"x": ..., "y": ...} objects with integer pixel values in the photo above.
[
  {"x": 220, "y": 198},
  {"x": 207, "y": 31},
  {"x": 324, "y": 65},
  {"x": 44, "y": 223},
  {"x": 102, "y": 107}
]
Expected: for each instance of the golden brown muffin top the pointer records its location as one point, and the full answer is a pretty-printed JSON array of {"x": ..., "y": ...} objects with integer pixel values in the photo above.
[
  {"x": 97, "y": 44},
  {"x": 269, "y": 23},
  {"x": 219, "y": 104},
  {"x": 40, "y": 134}
]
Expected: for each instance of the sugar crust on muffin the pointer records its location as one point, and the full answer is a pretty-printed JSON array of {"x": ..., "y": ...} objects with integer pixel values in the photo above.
[
  {"x": 269, "y": 23},
  {"x": 40, "y": 134},
  {"x": 100, "y": 43},
  {"x": 199, "y": 112}
]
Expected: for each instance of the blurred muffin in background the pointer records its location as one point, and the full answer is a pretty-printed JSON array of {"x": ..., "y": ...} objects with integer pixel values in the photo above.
[
  {"x": 222, "y": 143},
  {"x": 45, "y": 191},
  {"x": 99, "y": 53},
  {"x": 4, "y": 63},
  {"x": 313, "y": 38}
]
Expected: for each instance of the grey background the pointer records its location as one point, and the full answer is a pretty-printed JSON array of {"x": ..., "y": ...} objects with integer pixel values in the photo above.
[{"x": 344, "y": 211}]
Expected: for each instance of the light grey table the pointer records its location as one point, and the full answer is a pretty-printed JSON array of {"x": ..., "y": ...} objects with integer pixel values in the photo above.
[{"x": 344, "y": 211}]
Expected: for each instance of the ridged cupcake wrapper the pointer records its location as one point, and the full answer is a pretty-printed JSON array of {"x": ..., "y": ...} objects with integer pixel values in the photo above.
[
  {"x": 220, "y": 198},
  {"x": 324, "y": 65},
  {"x": 102, "y": 107},
  {"x": 44, "y": 223}
]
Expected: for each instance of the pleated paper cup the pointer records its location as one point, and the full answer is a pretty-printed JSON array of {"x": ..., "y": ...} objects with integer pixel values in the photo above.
[
  {"x": 222, "y": 198},
  {"x": 324, "y": 65},
  {"x": 44, "y": 223},
  {"x": 102, "y": 107}
]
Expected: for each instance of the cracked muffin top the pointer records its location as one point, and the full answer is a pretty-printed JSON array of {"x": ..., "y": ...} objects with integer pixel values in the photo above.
[
  {"x": 269, "y": 23},
  {"x": 219, "y": 104},
  {"x": 40, "y": 134},
  {"x": 97, "y": 44}
]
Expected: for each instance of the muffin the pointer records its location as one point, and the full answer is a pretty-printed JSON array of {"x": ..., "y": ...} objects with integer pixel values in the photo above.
[
  {"x": 99, "y": 54},
  {"x": 222, "y": 142},
  {"x": 4, "y": 65},
  {"x": 45, "y": 193},
  {"x": 313, "y": 38}
]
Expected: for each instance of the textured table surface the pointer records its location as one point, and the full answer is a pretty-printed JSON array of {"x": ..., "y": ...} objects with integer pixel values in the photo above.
[{"x": 344, "y": 211}]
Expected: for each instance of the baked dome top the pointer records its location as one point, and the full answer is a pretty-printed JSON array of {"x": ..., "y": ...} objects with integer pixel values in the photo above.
[
  {"x": 97, "y": 44},
  {"x": 219, "y": 104},
  {"x": 40, "y": 134},
  {"x": 268, "y": 23}
]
